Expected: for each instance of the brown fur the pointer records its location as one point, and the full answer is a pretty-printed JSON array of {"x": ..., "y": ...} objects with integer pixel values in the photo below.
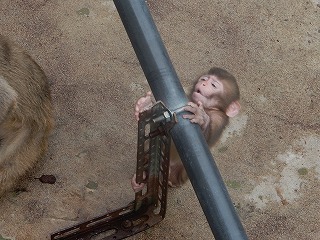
[
  {"x": 218, "y": 121},
  {"x": 25, "y": 113}
]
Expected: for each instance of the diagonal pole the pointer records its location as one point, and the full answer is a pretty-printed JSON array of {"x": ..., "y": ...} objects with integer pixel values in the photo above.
[{"x": 188, "y": 138}]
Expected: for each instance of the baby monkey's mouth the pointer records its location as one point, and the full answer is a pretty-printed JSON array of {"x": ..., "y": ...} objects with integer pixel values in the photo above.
[{"x": 198, "y": 91}]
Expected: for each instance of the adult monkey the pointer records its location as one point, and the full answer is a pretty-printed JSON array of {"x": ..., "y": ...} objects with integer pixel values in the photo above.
[
  {"x": 214, "y": 98},
  {"x": 25, "y": 113}
]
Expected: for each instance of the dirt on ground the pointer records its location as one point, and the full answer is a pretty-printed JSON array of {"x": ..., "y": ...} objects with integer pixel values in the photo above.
[{"x": 268, "y": 156}]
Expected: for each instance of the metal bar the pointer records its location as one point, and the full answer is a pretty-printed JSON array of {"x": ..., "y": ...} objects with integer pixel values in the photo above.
[
  {"x": 191, "y": 145},
  {"x": 149, "y": 207}
]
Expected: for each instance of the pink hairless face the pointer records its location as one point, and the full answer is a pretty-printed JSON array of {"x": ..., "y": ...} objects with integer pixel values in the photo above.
[{"x": 206, "y": 90}]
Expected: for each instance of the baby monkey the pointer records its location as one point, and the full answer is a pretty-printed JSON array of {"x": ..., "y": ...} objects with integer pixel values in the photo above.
[
  {"x": 25, "y": 113},
  {"x": 214, "y": 98}
]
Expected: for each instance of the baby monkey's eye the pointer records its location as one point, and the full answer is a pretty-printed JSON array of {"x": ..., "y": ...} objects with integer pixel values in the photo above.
[
  {"x": 214, "y": 85},
  {"x": 203, "y": 78}
]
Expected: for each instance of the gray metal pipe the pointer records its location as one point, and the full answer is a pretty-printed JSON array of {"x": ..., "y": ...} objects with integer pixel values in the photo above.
[{"x": 188, "y": 138}]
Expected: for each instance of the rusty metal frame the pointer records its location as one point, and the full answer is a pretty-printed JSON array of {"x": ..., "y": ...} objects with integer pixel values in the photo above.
[{"x": 149, "y": 206}]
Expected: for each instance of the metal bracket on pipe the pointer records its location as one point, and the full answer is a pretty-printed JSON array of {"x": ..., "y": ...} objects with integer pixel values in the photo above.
[{"x": 149, "y": 206}]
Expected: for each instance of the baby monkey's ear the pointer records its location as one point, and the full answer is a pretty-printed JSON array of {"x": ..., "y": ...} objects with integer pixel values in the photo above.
[
  {"x": 233, "y": 109},
  {"x": 8, "y": 97}
]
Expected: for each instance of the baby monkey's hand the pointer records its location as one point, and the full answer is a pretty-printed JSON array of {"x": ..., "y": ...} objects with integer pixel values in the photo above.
[
  {"x": 143, "y": 104},
  {"x": 199, "y": 115}
]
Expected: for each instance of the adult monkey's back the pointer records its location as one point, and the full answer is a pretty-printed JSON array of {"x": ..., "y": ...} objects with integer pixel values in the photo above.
[{"x": 25, "y": 113}]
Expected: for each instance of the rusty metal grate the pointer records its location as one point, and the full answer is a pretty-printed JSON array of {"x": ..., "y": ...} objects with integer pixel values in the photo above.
[{"x": 149, "y": 206}]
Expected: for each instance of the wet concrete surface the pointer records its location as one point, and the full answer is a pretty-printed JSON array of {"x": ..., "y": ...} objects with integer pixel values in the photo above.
[{"x": 268, "y": 157}]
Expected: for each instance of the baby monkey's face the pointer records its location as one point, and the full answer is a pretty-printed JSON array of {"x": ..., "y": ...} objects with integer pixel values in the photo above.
[{"x": 207, "y": 90}]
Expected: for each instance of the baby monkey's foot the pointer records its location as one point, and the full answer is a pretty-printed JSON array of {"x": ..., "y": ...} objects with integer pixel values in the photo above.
[{"x": 137, "y": 187}]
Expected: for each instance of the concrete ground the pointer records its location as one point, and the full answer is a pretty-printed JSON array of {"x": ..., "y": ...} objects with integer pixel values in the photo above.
[{"x": 268, "y": 157}]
